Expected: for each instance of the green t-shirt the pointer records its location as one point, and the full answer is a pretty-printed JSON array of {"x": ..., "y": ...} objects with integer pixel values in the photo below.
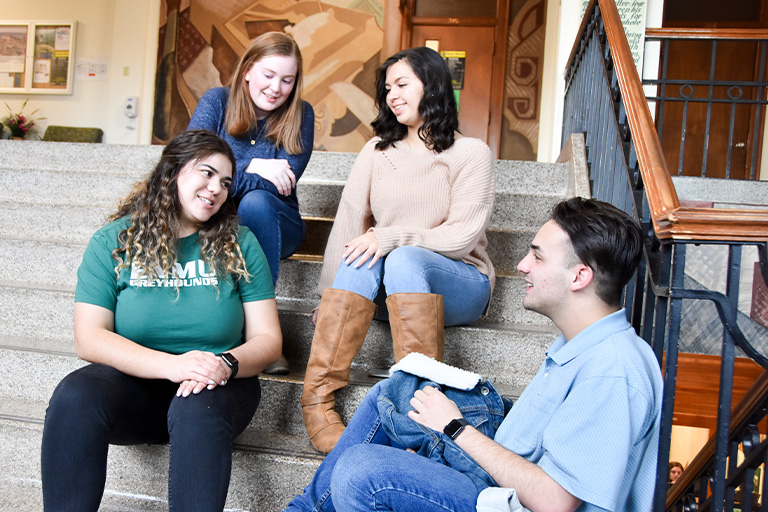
[{"x": 149, "y": 311}]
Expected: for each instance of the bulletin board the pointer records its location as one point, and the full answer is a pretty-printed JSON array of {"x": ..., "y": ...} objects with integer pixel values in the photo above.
[{"x": 37, "y": 57}]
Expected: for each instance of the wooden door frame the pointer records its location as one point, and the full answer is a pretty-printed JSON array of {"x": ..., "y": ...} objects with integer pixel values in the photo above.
[{"x": 398, "y": 28}]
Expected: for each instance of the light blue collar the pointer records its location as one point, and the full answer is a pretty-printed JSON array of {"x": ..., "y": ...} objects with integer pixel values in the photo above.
[{"x": 562, "y": 352}]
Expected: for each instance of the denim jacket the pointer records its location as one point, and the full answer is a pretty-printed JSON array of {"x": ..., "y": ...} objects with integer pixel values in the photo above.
[{"x": 482, "y": 406}]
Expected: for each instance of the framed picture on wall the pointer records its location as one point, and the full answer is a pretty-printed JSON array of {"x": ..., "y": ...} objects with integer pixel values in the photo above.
[{"x": 37, "y": 57}]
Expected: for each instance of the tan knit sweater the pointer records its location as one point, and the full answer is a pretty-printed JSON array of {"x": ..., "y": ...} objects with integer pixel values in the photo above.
[{"x": 441, "y": 202}]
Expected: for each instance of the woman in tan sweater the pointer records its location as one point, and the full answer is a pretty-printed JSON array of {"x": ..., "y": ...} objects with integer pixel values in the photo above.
[{"x": 412, "y": 217}]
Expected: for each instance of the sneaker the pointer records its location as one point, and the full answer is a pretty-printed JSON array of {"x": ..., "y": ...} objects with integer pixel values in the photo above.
[{"x": 279, "y": 367}]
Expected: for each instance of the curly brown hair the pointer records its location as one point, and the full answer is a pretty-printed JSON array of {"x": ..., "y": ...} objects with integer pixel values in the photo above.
[{"x": 151, "y": 240}]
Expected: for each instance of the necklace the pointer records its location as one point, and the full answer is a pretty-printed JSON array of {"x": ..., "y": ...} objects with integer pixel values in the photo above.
[{"x": 263, "y": 126}]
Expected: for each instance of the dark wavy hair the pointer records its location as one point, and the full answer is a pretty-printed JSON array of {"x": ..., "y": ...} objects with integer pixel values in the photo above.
[
  {"x": 151, "y": 239},
  {"x": 437, "y": 107},
  {"x": 606, "y": 239}
]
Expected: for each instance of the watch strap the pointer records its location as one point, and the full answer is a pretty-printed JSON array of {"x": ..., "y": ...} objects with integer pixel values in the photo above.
[{"x": 232, "y": 362}]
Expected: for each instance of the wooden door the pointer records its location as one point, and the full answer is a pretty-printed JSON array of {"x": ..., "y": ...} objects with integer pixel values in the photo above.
[
  {"x": 690, "y": 60},
  {"x": 475, "y": 96},
  {"x": 479, "y": 30}
]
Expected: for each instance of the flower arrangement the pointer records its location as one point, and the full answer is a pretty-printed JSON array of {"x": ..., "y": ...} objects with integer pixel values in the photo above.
[{"x": 19, "y": 123}]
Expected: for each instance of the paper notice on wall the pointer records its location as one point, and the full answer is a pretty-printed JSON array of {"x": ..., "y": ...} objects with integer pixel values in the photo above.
[
  {"x": 91, "y": 69},
  {"x": 456, "y": 65},
  {"x": 42, "y": 74},
  {"x": 632, "y": 14},
  {"x": 11, "y": 64},
  {"x": 62, "y": 38}
]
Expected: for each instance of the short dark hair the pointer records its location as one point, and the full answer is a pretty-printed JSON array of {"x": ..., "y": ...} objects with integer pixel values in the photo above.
[
  {"x": 606, "y": 239},
  {"x": 437, "y": 107}
]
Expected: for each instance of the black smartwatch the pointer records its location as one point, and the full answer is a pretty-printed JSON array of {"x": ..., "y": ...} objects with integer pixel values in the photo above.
[
  {"x": 231, "y": 362},
  {"x": 455, "y": 427}
]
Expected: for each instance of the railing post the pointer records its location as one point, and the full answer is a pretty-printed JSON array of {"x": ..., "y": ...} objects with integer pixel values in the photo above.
[
  {"x": 669, "y": 331},
  {"x": 719, "y": 494}
]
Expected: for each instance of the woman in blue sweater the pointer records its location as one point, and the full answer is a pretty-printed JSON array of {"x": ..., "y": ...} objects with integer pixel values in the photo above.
[{"x": 271, "y": 132}]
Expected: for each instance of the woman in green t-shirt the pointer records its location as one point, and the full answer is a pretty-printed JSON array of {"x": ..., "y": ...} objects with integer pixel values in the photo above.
[{"x": 175, "y": 309}]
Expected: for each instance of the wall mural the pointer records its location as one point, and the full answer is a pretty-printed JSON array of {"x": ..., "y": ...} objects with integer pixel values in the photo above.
[
  {"x": 340, "y": 40},
  {"x": 522, "y": 85}
]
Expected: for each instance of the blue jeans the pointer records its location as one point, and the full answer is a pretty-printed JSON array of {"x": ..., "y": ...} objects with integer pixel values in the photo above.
[
  {"x": 98, "y": 405},
  {"x": 278, "y": 227},
  {"x": 368, "y": 471},
  {"x": 411, "y": 269}
]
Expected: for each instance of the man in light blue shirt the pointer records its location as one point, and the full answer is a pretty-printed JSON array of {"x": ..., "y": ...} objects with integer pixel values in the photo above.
[{"x": 583, "y": 436}]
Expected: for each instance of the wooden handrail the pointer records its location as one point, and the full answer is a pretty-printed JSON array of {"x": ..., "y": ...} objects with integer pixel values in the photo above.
[
  {"x": 754, "y": 395},
  {"x": 670, "y": 220},
  {"x": 706, "y": 33}
]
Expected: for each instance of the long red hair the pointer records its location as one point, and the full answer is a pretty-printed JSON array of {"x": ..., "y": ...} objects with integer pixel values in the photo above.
[{"x": 284, "y": 123}]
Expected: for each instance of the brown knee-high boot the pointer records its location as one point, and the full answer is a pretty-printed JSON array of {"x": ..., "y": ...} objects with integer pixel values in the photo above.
[
  {"x": 417, "y": 324},
  {"x": 342, "y": 323}
]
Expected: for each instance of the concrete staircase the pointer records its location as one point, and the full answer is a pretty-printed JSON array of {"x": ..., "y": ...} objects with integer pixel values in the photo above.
[{"x": 55, "y": 195}]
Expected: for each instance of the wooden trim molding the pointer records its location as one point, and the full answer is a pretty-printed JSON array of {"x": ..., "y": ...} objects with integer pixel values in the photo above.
[
  {"x": 498, "y": 75},
  {"x": 706, "y": 33},
  {"x": 670, "y": 220}
]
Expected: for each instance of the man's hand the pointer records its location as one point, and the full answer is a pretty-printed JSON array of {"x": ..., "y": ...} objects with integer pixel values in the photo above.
[
  {"x": 535, "y": 488},
  {"x": 433, "y": 409}
]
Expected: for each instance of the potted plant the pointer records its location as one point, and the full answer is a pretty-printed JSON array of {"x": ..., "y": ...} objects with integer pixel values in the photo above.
[{"x": 20, "y": 124}]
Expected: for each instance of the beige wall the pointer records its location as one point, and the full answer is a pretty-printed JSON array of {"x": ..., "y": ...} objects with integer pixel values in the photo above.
[{"x": 124, "y": 32}]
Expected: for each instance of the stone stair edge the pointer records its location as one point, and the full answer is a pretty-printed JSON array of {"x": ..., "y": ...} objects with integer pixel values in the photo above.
[
  {"x": 513, "y": 230},
  {"x": 263, "y": 478},
  {"x": 501, "y": 276},
  {"x": 35, "y": 344},
  {"x": 60, "y": 156},
  {"x": 508, "y": 355},
  {"x": 517, "y": 184}
]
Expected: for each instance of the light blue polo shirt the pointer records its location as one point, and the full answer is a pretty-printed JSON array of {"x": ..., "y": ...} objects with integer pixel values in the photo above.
[{"x": 590, "y": 418}]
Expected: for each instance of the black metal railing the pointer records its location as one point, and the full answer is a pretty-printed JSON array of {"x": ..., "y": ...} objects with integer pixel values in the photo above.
[
  {"x": 709, "y": 108},
  {"x": 667, "y": 299},
  {"x": 745, "y": 478}
]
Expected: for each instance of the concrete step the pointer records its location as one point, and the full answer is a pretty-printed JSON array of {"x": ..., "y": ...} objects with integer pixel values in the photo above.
[
  {"x": 508, "y": 353},
  {"x": 279, "y": 411},
  {"x": 517, "y": 205},
  {"x": 53, "y": 266},
  {"x": 262, "y": 478},
  {"x": 301, "y": 288},
  {"x": 70, "y": 224},
  {"x": 273, "y": 459},
  {"x": 100, "y": 176},
  {"x": 68, "y": 192},
  {"x": 73, "y": 158},
  {"x": 74, "y": 224}
]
